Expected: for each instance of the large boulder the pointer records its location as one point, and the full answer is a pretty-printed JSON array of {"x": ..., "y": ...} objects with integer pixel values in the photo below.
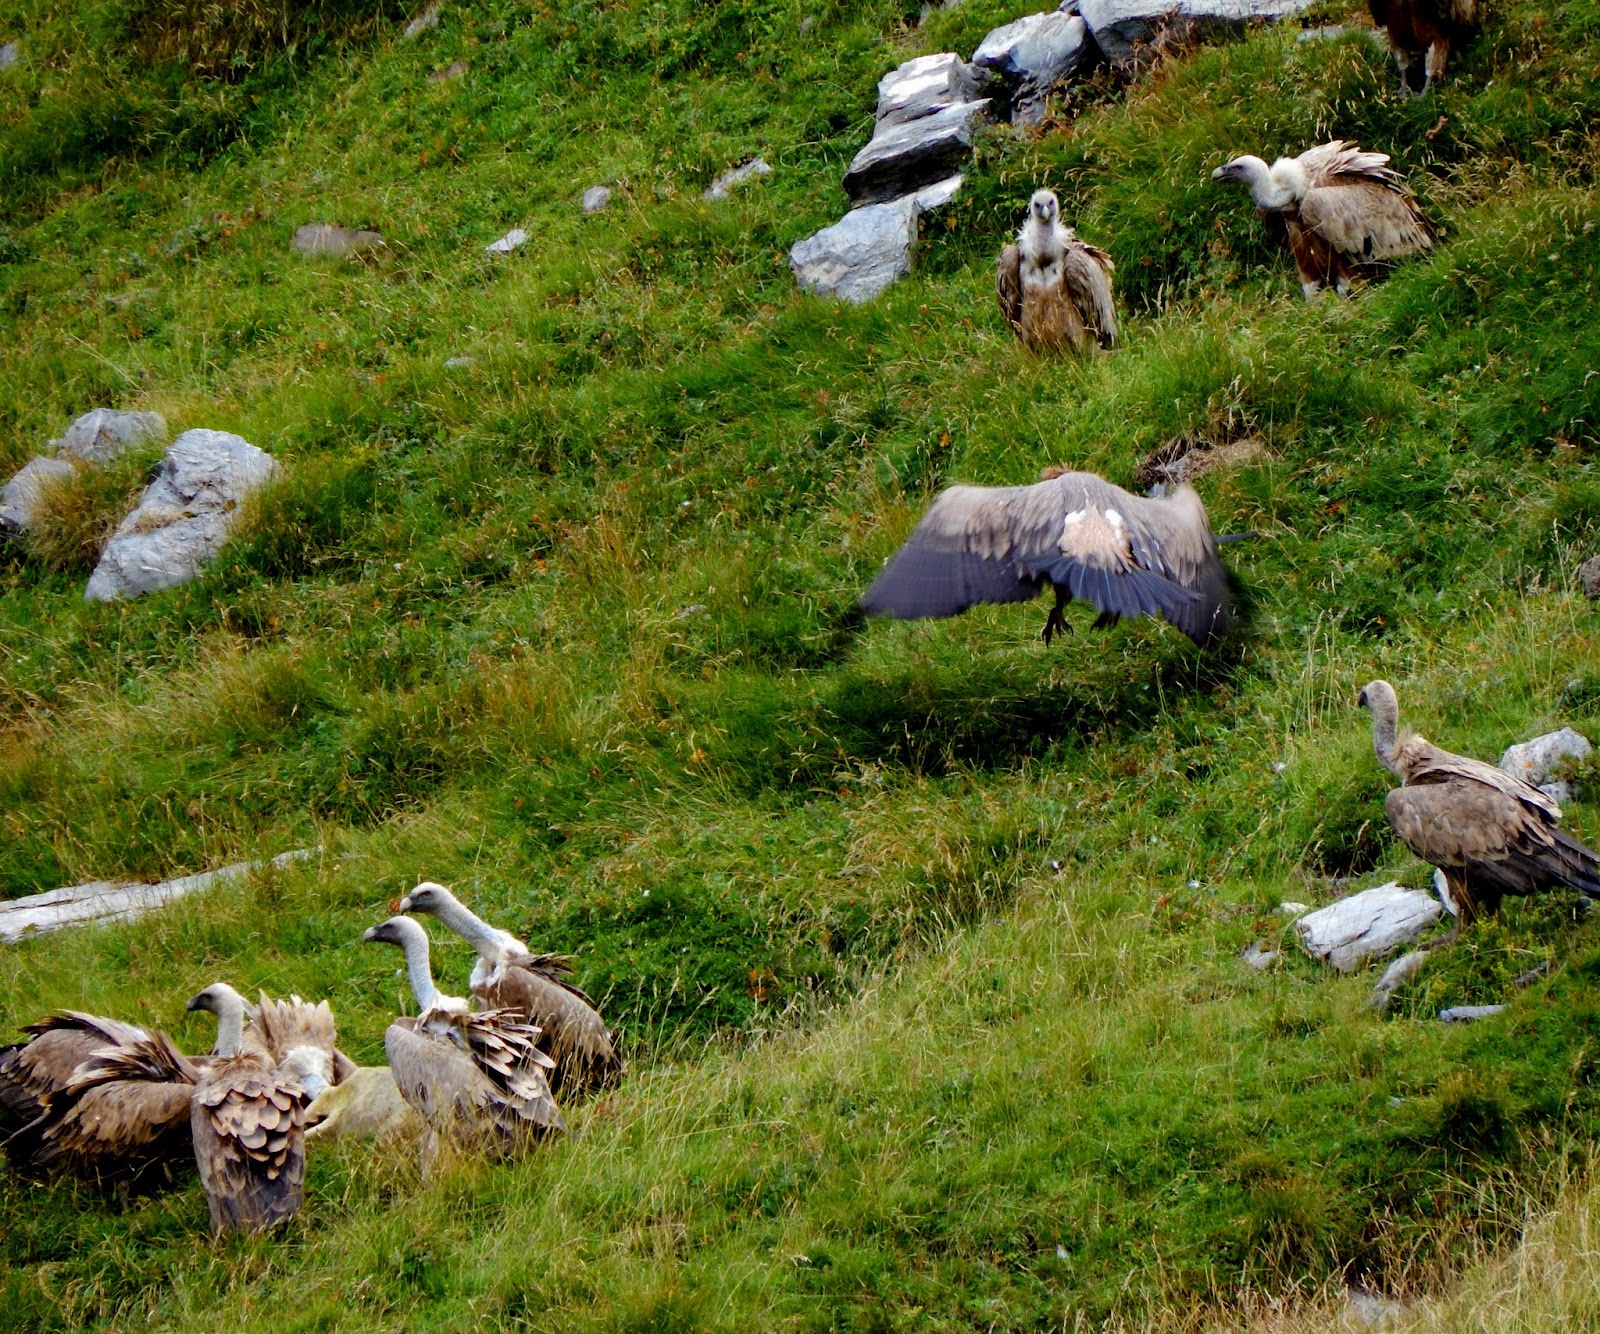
[
  {"x": 1540, "y": 760},
  {"x": 101, "y": 435},
  {"x": 23, "y": 494},
  {"x": 867, "y": 249},
  {"x": 1034, "y": 55},
  {"x": 1367, "y": 925},
  {"x": 904, "y": 157},
  {"x": 1119, "y": 26},
  {"x": 184, "y": 517},
  {"x": 924, "y": 86}
]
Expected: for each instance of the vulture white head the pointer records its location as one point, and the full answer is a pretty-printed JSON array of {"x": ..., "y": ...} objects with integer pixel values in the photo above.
[
  {"x": 229, "y": 1006},
  {"x": 1273, "y": 187},
  {"x": 1044, "y": 208},
  {"x": 429, "y": 896},
  {"x": 409, "y": 935}
]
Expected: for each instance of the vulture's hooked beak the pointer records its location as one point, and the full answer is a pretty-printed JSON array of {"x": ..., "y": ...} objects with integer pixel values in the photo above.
[
  {"x": 1225, "y": 172},
  {"x": 1361, "y": 701},
  {"x": 371, "y": 933},
  {"x": 195, "y": 1002},
  {"x": 403, "y": 905}
]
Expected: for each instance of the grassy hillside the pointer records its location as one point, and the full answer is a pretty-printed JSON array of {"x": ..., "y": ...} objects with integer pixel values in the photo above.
[{"x": 922, "y": 938}]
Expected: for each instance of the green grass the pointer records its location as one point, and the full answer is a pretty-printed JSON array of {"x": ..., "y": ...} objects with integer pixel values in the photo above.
[{"x": 922, "y": 938}]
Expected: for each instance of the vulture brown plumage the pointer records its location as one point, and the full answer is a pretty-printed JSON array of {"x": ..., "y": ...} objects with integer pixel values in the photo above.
[
  {"x": 247, "y": 1120},
  {"x": 1342, "y": 210},
  {"x": 32, "y": 1070},
  {"x": 509, "y": 976},
  {"x": 1126, "y": 555},
  {"x": 1055, "y": 290},
  {"x": 122, "y": 1113},
  {"x": 301, "y": 1039},
  {"x": 1424, "y": 31},
  {"x": 1488, "y": 832},
  {"x": 477, "y": 1078}
]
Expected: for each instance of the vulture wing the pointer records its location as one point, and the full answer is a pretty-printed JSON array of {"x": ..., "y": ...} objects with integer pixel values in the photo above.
[
  {"x": 1461, "y": 13},
  {"x": 282, "y": 1027},
  {"x": 1008, "y": 287},
  {"x": 572, "y": 1033},
  {"x": 1086, "y": 274},
  {"x": 1126, "y": 555},
  {"x": 1425, "y": 764},
  {"x": 249, "y": 1143},
  {"x": 33, "y": 1070},
  {"x": 1338, "y": 158},
  {"x": 1364, "y": 220}
]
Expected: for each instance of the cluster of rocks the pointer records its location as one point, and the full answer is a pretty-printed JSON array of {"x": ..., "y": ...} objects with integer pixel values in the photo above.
[
  {"x": 181, "y": 521},
  {"x": 929, "y": 107}
]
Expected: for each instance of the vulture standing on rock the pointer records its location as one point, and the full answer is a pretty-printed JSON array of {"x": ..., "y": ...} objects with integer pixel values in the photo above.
[
  {"x": 1343, "y": 211},
  {"x": 475, "y": 1077},
  {"x": 1053, "y": 289},
  {"x": 247, "y": 1118},
  {"x": 119, "y": 1112},
  {"x": 508, "y": 976},
  {"x": 1426, "y": 29},
  {"x": 1090, "y": 540},
  {"x": 1490, "y": 833}
]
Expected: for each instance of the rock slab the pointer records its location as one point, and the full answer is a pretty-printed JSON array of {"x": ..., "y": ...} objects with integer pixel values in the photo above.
[
  {"x": 901, "y": 159},
  {"x": 102, "y": 435},
  {"x": 1539, "y": 760},
  {"x": 1366, "y": 925},
  {"x": 923, "y": 87},
  {"x": 724, "y": 185},
  {"x": 328, "y": 238},
  {"x": 24, "y": 493},
  {"x": 184, "y": 517},
  {"x": 1034, "y": 55},
  {"x": 1466, "y": 1014},
  {"x": 1119, "y": 26},
  {"x": 867, "y": 249},
  {"x": 512, "y": 240}
]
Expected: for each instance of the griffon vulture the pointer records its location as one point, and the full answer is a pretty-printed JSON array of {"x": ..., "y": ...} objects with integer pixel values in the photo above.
[
  {"x": 1126, "y": 555},
  {"x": 508, "y": 976},
  {"x": 474, "y": 1077},
  {"x": 1490, "y": 833},
  {"x": 122, "y": 1114},
  {"x": 247, "y": 1119},
  {"x": 32, "y": 1070},
  {"x": 1424, "y": 29},
  {"x": 1053, "y": 289},
  {"x": 1341, "y": 209}
]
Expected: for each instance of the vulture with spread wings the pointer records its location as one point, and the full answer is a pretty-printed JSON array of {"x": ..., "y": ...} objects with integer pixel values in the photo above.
[
  {"x": 1088, "y": 539},
  {"x": 1490, "y": 833},
  {"x": 1053, "y": 289},
  {"x": 1343, "y": 211}
]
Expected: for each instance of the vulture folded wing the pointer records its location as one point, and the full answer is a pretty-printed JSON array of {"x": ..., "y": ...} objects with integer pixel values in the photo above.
[
  {"x": 1338, "y": 157},
  {"x": 249, "y": 1143},
  {"x": 1008, "y": 287},
  {"x": 57, "y": 1044},
  {"x": 572, "y": 1033},
  {"x": 963, "y": 552},
  {"x": 1424, "y": 764},
  {"x": 1086, "y": 274},
  {"x": 300, "y": 1034},
  {"x": 1364, "y": 221},
  {"x": 506, "y": 1050}
]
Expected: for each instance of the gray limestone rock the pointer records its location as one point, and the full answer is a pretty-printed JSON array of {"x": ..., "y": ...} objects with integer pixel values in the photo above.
[
  {"x": 1540, "y": 760},
  {"x": 184, "y": 517},
  {"x": 1367, "y": 925},
  {"x": 9, "y": 55},
  {"x": 867, "y": 249},
  {"x": 19, "y": 500},
  {"x": 1395, "y": 976},
  {"x": 900, "y": 159},
  {"x": 512, "y": 240},
  {"x": 101, "y": 435},
  {"x": 328, "y": 238},
  {"x": 1589, "y": 577},
  {"x": 1465, "y": 1014},
  {"x": 595, "y": 198},
  {"x": 723, "y": 186},
  {"x": 1034, "y": 55},
  {"x": 1259, "y": 957},
  {"x": 922, "y": 87},
  {"x": 1118, "y": 26},
  {"x": 428, "y": 18}
]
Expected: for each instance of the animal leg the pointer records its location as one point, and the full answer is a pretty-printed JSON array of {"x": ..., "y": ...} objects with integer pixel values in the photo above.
[
  {"x": 1310, "y": 290},
  {"x": 1408, "y": 85},
  {"x": 1438, "y": 53},
  {"x": 1056, "y": 621}
]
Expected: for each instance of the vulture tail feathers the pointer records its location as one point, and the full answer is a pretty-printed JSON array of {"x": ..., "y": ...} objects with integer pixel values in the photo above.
[{"x": 1580, "y": 864}]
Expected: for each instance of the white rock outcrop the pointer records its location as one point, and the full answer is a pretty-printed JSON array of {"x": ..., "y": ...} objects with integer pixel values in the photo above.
[
  {"x": 1119, "y": 26},
  {"x": 1034, "y": 55},
  {"x": 595, "y": 198},
  {"x": 515, "y": 239},
  {"x": 867, "y": 249},
  {"x": 909, "y": 155},
  {"x": 1367, "y": 925},
  {"x": 101, "y": 435},
  {"x": 184, "y": 517},
  {"x": 24, "y": 493},
  {"x": 923, "y": 87},
  {"x": 1539, "y": 760}
]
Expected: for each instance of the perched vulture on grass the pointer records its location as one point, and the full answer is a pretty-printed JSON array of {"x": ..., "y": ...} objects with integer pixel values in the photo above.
[
  {"x": 1341, "y": 209},
  {"x": 247, "y": 1119},
  {"x": 1126, "y": 555},
  {"x": 476, "y": 1078},
  {"x": 1424, "y": 29},
  {"x": 508, "y": 976},
  {"x": 121, "y": 1115},
  {"x": 1490, "y": 833},
  {"x": 1053, "y": 289}
]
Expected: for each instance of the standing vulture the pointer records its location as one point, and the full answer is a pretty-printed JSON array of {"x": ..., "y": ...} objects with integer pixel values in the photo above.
[
  {"x": 1342, "y": 210},
  {"x": 477, "y": 1078},
  {"x": 247, "y": 1119},
  {"x": 1125, "y": 554},
  {"x": 508, "y": 976},
  {"x": 1490, "y": 833},
  {"x": 1426, "y": 29},
  {"x": 1053, "y": 289},
  {"x": 122, "y": 1113}
]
